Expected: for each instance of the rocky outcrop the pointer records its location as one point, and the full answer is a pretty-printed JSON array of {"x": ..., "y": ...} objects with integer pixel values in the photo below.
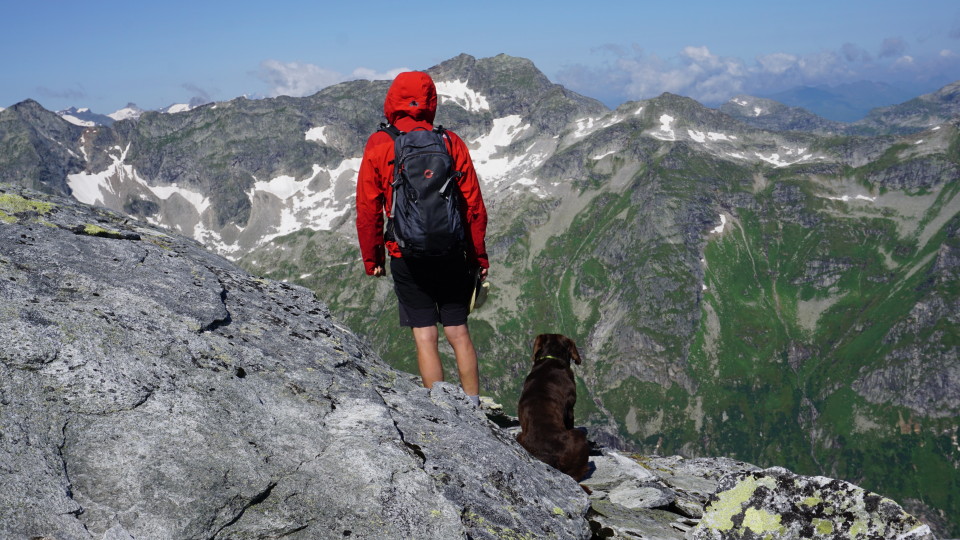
[
  {"x": 775, "y": 503},
  {"x": 150, "y": 389},
  {"x": 677, "y": 498}
]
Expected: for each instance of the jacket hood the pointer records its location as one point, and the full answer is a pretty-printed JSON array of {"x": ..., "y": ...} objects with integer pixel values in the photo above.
[{"x": 412, "y": 95}]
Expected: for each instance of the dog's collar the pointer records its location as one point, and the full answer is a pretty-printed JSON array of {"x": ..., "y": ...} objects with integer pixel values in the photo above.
[{"x": 549, "y": 357}]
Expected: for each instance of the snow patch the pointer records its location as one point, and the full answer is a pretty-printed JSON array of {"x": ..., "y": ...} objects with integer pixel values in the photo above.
[
  {"x": 210, "y": 238},
  {"x": 666, "y": 132},
  {"x": 302, "y": 207},
  {"x": 92, "y": 188},
  {"x": 586, "y": 126},
  {"x": 125, "y": 113},
  {"x": 504, "y": 131},
  {"x": 283, "y": 187},
  {"x": 757, "y": 111},
  {"x": 76, "y": 121},
  {"x": 848, "y": 198},
  {"x": 601, "y": 156},
  {"x": 719, "y": 228},
  {"x": 798, "y": 155},
  {"x": 177, "y": 108},
  {"x": 461, "y": 94},
  {"x": 317, "y": 134},
  {"x": 702, "y": 137}
]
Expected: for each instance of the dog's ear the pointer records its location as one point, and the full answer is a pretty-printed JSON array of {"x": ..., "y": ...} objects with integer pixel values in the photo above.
[
  {"x": 537, "y": 345},
  {"x": 572, "y": 349}
]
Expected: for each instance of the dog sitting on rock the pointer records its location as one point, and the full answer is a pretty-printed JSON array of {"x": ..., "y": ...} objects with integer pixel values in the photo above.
[{"x": 546, "y": 407}]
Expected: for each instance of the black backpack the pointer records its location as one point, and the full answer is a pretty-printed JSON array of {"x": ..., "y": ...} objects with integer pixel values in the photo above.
[{"x": 425, "y": 215}]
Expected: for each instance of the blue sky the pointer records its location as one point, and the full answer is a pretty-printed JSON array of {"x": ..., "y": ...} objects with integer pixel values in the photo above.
[{"x": 104, "y": 54}]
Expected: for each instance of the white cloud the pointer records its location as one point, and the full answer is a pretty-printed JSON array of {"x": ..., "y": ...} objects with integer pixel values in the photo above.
[
  {"x": 300, "y": 79},
  {"x": 904, "y": 61},
  {"x": 777, "y": 63},
  {"x": 695, "y": 71}
]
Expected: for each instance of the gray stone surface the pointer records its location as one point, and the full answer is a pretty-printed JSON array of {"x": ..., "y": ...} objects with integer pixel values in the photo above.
[
  {"x": 149, "y": 389},
  {"x": 777, "y": 504}
]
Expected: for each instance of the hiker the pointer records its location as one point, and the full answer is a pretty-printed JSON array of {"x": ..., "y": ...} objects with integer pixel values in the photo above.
[{"x": 433, "y": 284}]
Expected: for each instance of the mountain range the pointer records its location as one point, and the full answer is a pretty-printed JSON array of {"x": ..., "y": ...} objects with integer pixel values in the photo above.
[
  {"x": 751, "y": 281},
  {"x": 843, "y": 103}
]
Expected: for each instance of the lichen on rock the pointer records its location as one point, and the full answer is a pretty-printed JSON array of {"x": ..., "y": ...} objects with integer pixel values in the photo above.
[{"x": 774, "y": 504}]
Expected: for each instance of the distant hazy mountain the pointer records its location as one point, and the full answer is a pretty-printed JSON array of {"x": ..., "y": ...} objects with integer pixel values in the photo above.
[
  {"x": 919, "y": 113},
  {"x": 131, "y": 111},
  {"x": 84, "y": 117},
  {"x": 758, "y": 263},
  {"x": 842, "y": 103},
  {"x": 769, "y": 114}
]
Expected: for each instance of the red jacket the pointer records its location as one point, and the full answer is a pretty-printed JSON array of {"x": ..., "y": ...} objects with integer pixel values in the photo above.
[{"x": 411, "y": 102}]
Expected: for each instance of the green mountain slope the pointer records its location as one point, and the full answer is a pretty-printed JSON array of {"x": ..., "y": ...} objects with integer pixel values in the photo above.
[{"x": 814, "y": 327}]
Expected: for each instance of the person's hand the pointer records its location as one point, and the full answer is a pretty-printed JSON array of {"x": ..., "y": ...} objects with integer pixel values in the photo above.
[
  {"x": 378, "y": 271},
  {"x": 483, "y": 274}
]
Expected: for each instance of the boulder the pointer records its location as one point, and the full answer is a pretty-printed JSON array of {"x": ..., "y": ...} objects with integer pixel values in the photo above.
[{"x": 777, "y": 504}]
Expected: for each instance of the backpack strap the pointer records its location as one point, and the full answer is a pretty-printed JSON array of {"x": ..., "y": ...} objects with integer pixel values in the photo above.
[{"x": 391, "y": 130}]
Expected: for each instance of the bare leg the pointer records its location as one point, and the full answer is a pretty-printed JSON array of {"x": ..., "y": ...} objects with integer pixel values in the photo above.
[
  {"x": 428, "y": 354},
  {"x": 459, "y": 338}
]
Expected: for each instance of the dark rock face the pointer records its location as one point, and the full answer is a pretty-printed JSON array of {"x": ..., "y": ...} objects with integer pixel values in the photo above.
[
  {"x": 40, "y": 148},
  {"x": 153, "y": 390}
]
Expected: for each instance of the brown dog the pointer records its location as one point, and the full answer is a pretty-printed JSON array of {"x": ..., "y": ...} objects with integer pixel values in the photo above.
[{"x": 546, "y": 407}]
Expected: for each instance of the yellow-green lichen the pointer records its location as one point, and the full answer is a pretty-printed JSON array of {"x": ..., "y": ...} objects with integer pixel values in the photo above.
[
  {"x": 96, "y": 230},
  {"x": 7, "y": 218},
  {"x": 761, "y": 521},
  {"x": 15, "y": 204},
  {"x": 557, "y": 510},
  {"x": 719, "y": 514},
  {"x": 811, "y": 501},
  {"x": 496, "y": 531},
  {"x": 823, "y": 526},
  {"x": 857, "y": 528}
]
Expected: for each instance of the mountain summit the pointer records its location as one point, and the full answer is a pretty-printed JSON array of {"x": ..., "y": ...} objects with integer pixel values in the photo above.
[
  {"x": 150, "y": 389},
  {"x": 782, "y": 297}
]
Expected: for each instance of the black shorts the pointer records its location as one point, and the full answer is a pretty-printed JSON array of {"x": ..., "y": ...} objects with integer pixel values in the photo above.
[{"x": 431, "y": 290}]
